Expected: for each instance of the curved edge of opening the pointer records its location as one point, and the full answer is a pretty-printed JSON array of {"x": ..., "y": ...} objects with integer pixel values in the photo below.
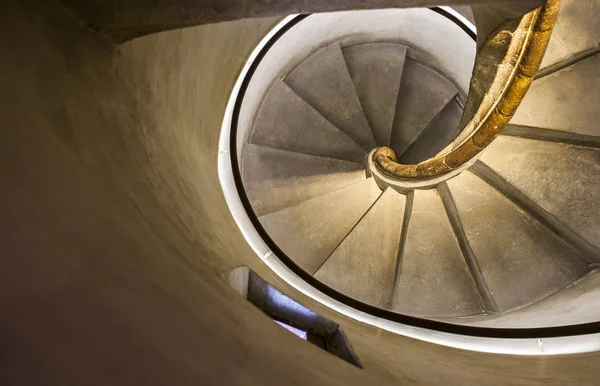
[
  {"x": 562, "y": 340},
  {"x": 458, "y": 19}
]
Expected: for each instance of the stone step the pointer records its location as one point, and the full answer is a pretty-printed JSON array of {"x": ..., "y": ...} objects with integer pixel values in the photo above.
[
  {"x": 577, "y": 31},
  {"x": 442, "y": 131},
  {"x": 285, "y": 121},
  {"x": 310, "y": 231},
  {"x": 561, "y": 179},
  {"x": 566, "y": 100},
  {"x": 276, "y": 179},
  {"x": 324, "y": 82},
  {"x": 364, "y": 265},
  {"x": 376, "y": 71},
  {"x": 521, "y": 261},
  {"x": 575, "y": 304},
  {"x": 433, "y": 278},
  {"x": 423, "y": 94},
  {"x": 552, "y": 135}
]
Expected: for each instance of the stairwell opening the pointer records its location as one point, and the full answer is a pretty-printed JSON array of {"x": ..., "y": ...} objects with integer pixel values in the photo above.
[
  {"x": 293, "y": 86},
  {"x": 275, "y": 253}
]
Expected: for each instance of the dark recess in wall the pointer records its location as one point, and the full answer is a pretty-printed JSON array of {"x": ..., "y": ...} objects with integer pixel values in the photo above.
[{"x": 320, "y": 331}]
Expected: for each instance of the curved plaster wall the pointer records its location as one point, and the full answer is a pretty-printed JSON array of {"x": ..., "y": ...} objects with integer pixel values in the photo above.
[{"x": 115, "y": 230}]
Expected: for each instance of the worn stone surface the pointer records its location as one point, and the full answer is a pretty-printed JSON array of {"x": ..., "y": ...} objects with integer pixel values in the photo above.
[
  {"x": 354, "y": 28},
  {"x": 276, "y": 179},
  {"x": 364, "y": 265},
  {"x": 310, "y": 231},
  {"x": 423, "y": 94},
  {"x": 323, "y": 81},
  {"x": 577, "y": 30},
  {"x": 438, "y": 134},
  {"x": 434, "y": 279},
  {"x": 562, "y": 179},
  {"x": 575, "y": 304},
  {"x": 566, "y": 100},
  {"x": 126, "y": 20},
  {"x": 376, "y": 71},
  {"x": 521, "y": 261},
  {"x": 287, "y": 122}
]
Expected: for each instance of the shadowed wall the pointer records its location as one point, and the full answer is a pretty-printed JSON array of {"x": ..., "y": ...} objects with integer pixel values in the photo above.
[{"x": 115, "y": 231}]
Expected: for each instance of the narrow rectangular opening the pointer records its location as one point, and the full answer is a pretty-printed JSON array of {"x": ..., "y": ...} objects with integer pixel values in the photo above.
[{"x": 291, "y": 315}]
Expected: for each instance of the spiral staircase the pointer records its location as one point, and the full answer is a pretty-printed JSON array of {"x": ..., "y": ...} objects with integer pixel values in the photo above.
[
  {"x": 453, "y": 238},
  {"x": 499, "y": 236}
]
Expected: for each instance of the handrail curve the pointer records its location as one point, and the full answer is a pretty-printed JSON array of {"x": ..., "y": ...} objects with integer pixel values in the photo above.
[{"x": 518, "y": 48}]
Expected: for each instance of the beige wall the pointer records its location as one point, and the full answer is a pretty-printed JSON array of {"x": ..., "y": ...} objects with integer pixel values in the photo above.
[
  {"x": 113, "y": 228},
  {"x": 123, "y": 20}
]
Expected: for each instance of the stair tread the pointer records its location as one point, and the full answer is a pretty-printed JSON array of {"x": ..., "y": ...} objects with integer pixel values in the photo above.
[
  {"x": 521, "y": 260},
  {"x": 577, "y": 30},
  {"x": 376, "y": 71},
  {"x": 434, "y": 279},
  {"x": 285, "y": 121},
  {"x": 363, "y": 266},
  {"x": 566, "y": 100},
  {"x": 442, "y": 131},
  {"x": 276, "y": 179},
  {"x": 324, "y": 82},
  {"x": 308, "y": 232},
  {"x": 562, "y": 179},
  {"x": 553, "y": 311},
  {"x": 423, "y": 94}
]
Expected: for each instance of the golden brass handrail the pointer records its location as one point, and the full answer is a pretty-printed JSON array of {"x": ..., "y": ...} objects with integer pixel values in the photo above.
[{"x": 520, "y": 47}]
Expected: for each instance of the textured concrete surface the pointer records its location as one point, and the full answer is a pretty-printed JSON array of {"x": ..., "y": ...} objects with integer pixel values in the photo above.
[
  {"x": 238, "y": 279},
  {"x": 310, "y": 231},
  {"x": 434, "y": 279},
  {"x": 429, "y": 46},
  {"x": 285, "y": 121},
  {"x": 550, "y": 135},
  {"x": 323, "y": 81},
  {"x": 423, "y": 94},
  {"x": 364, "y": 265},
  {"x": 521, "y": 261},
  {"x": 436, "y": 136},
  {"x": 115, "y": 230},
  {"x": 376, "y": 71},
  {"x": 577, "y": 303},
  {"x": 138, "y": 17},
  {"x": 562, "y": 179},
  {"x": 576, "y": 31},
  {"x": 549, "y": 102},
  {"x": 276, "y": 179}
]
